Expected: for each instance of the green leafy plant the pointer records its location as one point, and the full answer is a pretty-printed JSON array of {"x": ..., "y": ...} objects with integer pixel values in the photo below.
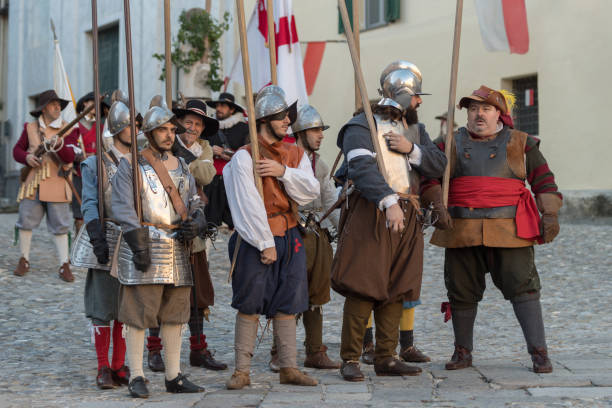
[{"x": 198, "y": 30}]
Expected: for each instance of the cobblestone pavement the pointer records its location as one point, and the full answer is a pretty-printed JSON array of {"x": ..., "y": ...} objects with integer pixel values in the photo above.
[{"x": 47, "y": 358}]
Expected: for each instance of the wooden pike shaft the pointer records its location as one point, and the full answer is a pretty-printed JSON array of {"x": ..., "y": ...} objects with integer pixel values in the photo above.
[
  {"x": 271, "y": 41},
  {"x": 168, "y": 53},
  {"x": 130, "y": 77},
  {"x": 96, "y": 87},
  {"x": 356, "y": 28},
  {"x": 248, "y": 90},
  {"x": 362, "y": 88},
  {"x": 452, "y": 94}
]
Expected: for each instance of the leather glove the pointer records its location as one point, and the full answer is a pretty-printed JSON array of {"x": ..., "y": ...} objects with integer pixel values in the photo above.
[
  {"x": 549, "y": 205},
  {"x": 192, "y": 226},
  {"x": 138, "y": 241},
  {"x": 98, "y": 241},
  {"x": 549, "y": 227},
  {"x": 434, "y": 195}
]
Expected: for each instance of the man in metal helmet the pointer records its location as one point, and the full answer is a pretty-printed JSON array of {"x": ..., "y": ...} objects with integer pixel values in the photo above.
[
  {"x": 379, "y": 260},
  {"x": 154, "y": 256},
  {"x": 95, "y": 253},
  {"x": 270, "y": 263}
]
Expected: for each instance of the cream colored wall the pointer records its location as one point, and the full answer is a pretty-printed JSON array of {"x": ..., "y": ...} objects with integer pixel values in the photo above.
[{"x": 569, "y": 51}]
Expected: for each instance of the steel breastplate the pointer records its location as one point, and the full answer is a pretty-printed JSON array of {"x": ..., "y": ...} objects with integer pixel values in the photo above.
[
  {"x": 111, "y": 169},
  {"x": 81, "y": 253},
  {"x": 483, "y": 159},
  {"x": 156, "y": 204},
  {"x": 396, "y": 165}
]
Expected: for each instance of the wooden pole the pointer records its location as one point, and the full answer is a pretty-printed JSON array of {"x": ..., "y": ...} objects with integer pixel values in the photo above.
[
  {"x": 271, "y": 41},
  {"x": 452, "y": 94},
  {"x": 362, "y": 88},
  {"x": 96, "y": 87},
  {"x": 168, "y": 53},
  {"x": 130, "y": 77},
  {"x": 356, "y": 29},
  {"x": 248, "y": 89}
]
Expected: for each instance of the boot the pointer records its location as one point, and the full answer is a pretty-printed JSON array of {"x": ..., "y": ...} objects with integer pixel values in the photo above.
[
  {"x": 104, "y": 380},
  {"x": 541, "y": 362},
  {"x": 200, "y": 356},
  {"x": 65, "y": 274},
  {"x": 154, "y": 359},
  {"x": 291, "y": 375},
  {"x": 138, "y": 388},
  {"x": 413, "y": 355},
  {"x": 181, "y": 385},
  {"x": 320, "y": 360},
  {"x": 238, "y": 381},
  {"x": 121, "y": 376},
  {"x": 367, "y": 357},
  {"x": 391, "y": 366},
  {"x": 22, "y": 267},
  {"x": 462, "y": 358},
  {"x": 350, "y": 371}
]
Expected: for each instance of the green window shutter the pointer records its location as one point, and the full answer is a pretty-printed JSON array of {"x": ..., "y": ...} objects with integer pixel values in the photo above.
[
  {"x": 392, "y": 10},
  {"x": 349, "y": 8}
]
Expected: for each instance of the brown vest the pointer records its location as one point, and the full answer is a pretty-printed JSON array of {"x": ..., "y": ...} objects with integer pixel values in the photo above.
[
  {"x": 45, "y": 178},
  {"x": 281, "y": 210}
]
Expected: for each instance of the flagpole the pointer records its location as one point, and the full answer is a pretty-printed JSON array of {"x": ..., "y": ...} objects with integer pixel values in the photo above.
[
  {"x": 452, "y": 94},
  {"x": 168, "y": 53},
  {"x": 271, "y": 41},
  {"x": 362, "y": 88},
  {"x": 96, "y": 87},
  {"x": 356, "y": 29},
  {"x": 130, "y": 78}
]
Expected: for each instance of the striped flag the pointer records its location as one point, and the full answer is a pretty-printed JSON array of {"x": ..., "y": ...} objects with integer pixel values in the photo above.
[{"x": 503, "y": 25}]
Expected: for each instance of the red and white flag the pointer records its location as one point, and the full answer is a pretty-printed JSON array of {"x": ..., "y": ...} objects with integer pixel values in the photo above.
[
  {"x": 61, "y": 85},
  {"x": 503, "y": 25},
  {"x": 289, "y": 69}
]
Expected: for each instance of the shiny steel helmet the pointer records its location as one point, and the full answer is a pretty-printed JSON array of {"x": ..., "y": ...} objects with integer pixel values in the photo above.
[
  {"x": 271, "y": 100},
  {"x": 118, "y": 118},
  {"x": 400, "y": 81},
  {"x": 158, "y": 100},
  {"x": 308, "y": 118},
  {"x": 157, "y": 116},
  {"x": 119, "y": 95}
]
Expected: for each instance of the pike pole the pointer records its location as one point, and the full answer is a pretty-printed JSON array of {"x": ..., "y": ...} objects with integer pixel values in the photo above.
[
  {"x": 362, "y": 88},
  {"x": 96, "y": 87},
  {"x": 452, "y": 94},
  {"x": 271, "y": 41},
  {"x": 168, "y": 56},
  {"x": 130, "y": 77},
  {"x": 248, "y": 90}
]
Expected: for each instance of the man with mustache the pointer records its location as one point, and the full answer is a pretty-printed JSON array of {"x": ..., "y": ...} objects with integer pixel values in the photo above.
[
  {"x": 270, "y": 276},
  {"x": 154, "y": 257},
  {"x": 496, "y": 222},
  {"x": 193, "y": 147}
]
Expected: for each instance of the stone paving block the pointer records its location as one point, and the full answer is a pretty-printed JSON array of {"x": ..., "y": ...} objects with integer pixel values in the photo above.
[
  {"x": 517, "y": 376},
  {"x": 572, "y": 392},
  {"x": 601, "y": 380},
  {"x": 226, "y": 399},
  {"x": 382, "y": 396},
  {"x": 342, "y": 396},
  {"x": 347, "y": 387},
  {"x": 106, "y": 404},
  {"x": 592, "y": 365},
  {"x": 293, "y": 397}
]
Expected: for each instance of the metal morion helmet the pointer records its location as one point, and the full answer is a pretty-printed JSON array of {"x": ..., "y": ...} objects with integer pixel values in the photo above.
[
  {"x": 308, "y": 118},
  {"x": 159, "y": 114},
  {"x": 118, "y": 118},
  {"x": 271, "y": 100},
  {"x": 400, "y": 81}
]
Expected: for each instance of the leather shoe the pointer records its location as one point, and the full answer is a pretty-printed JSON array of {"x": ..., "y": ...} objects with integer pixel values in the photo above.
[
  {"x": 274, "y": 363},
  {"x": 320, "y": 360},
  {"x": 462, "y": 358},
  {"x": 204, "y": 358},
  {"x": 138, "y": 388},
  {"x": 181, "y": 385},
  {"x": 391, "y": 366},
  {"x": 413, "y": 355},
  {"x": 121, "y": 376},
  {"x": 367, "y": 355},
  {"x": 22, "y": 267},
  {"x": 541, "y": 362},
  {"x": 155, "y": 361},
  {"x": 65, "y": 273},
  {"x": 350, "y": 371},
  {"x": 104, "y": 380}
]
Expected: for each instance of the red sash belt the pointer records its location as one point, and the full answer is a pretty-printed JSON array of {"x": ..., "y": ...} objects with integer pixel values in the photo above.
[{"x": 490, "y": 192}]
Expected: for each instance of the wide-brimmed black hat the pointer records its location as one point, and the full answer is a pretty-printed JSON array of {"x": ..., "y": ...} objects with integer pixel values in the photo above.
[
  {"x": 228, "y": 99},
  {"x": 43, "y": 100},
  {"x": 80, "y": 106},
  {"x": 197, "y": 107}
]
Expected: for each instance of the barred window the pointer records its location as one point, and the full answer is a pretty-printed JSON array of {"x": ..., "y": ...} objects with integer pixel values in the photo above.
[
  {"x": 372, "y": 13},
  {"x": 525, "y": 112},
  {"x": 108, "y": 49}
]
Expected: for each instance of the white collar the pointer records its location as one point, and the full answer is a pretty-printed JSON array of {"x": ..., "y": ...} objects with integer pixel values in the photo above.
[
  {"x": 56, "y": 124},
  {"x": 232, "y": 121},
  {"x": 117, "y": 153},
  {"x": 195, "y": 148}
]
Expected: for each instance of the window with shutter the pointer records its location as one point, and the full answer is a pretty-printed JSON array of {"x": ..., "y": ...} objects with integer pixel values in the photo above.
[
  {"x": 372, "y": 13},
  {"x": 525, "y": 113},
  {"x": 108, "y": 51}
]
